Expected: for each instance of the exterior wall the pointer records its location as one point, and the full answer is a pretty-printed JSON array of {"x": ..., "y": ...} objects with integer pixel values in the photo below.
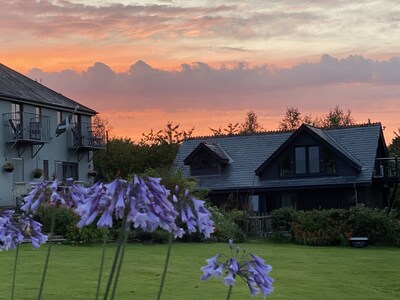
[{"x": 54, "y": 151}]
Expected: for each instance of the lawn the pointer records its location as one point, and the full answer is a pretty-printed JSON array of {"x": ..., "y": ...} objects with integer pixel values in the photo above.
[{"x": 300, "y": 272}]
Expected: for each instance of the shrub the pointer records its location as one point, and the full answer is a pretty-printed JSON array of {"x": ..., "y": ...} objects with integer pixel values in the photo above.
[
  {"x": 320, "y": 227},
  {"x": 225, "y": 226},
  {"x": 377, "y": 225},
  {"x": 64, "y": 219},
  {"x": 282, "y": 218},
  {"x": 336, "y": 226},
  {"x": 65, "y": 224}
]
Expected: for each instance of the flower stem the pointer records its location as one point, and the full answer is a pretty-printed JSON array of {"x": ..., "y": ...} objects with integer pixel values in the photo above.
[
  {"x": 105, "y": 233},
  {"x": 126, "y": 234},
  {"x": 165, "y": 266},
  {"x": 15, "y": 272},
  {"x": 46, "y": 264},
  {"x": 229, "y": 292},
  {"x": 116, "y": 256}
]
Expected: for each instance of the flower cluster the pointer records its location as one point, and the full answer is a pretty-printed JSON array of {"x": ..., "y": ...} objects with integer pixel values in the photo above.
[
  {"x": 144, "y": 202},
  {"x": 251, "y": 268},
  {"x": 13, "y": 231}
]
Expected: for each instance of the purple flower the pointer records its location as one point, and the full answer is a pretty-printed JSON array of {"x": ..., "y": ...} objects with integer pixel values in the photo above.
[
  {"x": 251, "y": 268},
  {"x": 230, "y": 279}
]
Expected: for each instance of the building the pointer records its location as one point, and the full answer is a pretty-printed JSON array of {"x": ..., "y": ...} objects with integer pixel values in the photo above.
[
  {"x": 31, "y": 114},
  {"x": 305, "y": 169}
]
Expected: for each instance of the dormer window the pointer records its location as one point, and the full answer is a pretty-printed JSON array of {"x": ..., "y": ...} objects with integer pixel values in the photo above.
[
  {"x": 204, "y": 161},
  {"x": 207, "y": 159},
  {"x": 307, "y": 160}
]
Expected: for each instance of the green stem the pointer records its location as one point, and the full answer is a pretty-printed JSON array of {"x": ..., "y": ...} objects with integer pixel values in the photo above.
[
  {"x": 126, "y": 234},
  {"x": 15, "y": 272},
  {"x": 46, "y": 264},
  {"x": 105, "y": 235},
  {"x": 165, "y": 266},
  {"x": 229, "y": 292},
  {"x": 116, "y": 256}
]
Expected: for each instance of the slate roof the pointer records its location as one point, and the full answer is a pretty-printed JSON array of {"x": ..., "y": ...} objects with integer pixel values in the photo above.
[
  {"x": 214, "y": 149},
  {"x": 248, "y": 152},
  {"x": 17, "y": 87}
]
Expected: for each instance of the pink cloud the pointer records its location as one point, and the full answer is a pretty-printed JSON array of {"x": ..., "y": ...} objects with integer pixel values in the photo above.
[{"x": 365, "y": 86}]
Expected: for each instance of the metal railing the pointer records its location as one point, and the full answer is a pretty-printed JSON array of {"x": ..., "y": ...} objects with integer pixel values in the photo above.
[
  {"x": 86, "y": 135},
  {"x": 387, "y": 167},
  {"x": 23, "y": 126}
]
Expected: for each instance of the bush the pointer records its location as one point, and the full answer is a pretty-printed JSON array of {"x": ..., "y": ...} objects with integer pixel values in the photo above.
[
  {"x": 225, "y": 226},
  {"x": 377, "y": 225},
  {"x": 321, "y": 227},
  {"x": 336, "y": 226},
  {"x": 65, "y": 225},
  {"x": 282, "y": 218},
  {"x": 64, "y": 219}
]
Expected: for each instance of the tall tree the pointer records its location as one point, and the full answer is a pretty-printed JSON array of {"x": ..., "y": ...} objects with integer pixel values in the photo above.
[
  {"x": 231, "y": 129},
  {"x": 337, "y": 118},
  {"x": 251, "y": 124},
  {"x": 171, "y": 134},
  {"x": 291, "y": 121}
]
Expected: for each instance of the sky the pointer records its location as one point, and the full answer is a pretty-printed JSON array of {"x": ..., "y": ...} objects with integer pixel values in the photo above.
[{"x": 204, "y": 64}]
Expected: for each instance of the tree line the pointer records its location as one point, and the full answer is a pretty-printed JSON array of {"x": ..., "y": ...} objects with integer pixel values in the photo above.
[{"x": 156, "y": 151}]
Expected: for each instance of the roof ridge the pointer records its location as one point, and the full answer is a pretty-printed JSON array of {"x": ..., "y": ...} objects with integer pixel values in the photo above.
[{"x": 264, "y": 132}]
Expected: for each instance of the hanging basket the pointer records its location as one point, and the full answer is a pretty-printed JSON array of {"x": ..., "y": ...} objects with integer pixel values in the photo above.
[
  {"x": 8, "y": 167},
  {"x": 37, "y": 173}
]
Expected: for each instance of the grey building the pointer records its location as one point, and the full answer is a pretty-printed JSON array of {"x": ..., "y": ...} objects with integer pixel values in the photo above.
[
  {"x": 309, "y": 168},
  {"x": 30, "y": 115}
]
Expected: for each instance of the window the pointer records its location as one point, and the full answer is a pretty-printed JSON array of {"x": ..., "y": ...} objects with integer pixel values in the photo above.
[
  {"x": 204, "y": 164},
  {"x": 284, "y": 164},
  {"x": 38, "y": 113},
  {"x": 307, "y": 160},
  {"x": 59, "y": 117},
  {"x": 64, "y": 170},
  {"x": 300, "y": 158},
  {"x": 45, "y": 169}
]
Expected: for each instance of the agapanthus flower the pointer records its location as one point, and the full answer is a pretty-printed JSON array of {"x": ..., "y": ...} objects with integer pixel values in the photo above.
[
  {"x": 13, "y": 231},
  {"x": 33, "y": 231},
  {"x": 251, "y": 268},
  {"x": 10, "y": 235}
]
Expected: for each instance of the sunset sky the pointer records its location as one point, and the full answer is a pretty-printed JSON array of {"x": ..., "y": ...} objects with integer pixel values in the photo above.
[{"x": 206, "y": 63}]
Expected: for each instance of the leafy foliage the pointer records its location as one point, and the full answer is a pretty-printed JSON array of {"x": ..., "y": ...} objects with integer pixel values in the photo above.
[
  {"x": 337, "y": 118},
  {"x": 225, "y": 226},
  {"x": 336, "y": 226},
  {"x": 124, "y": 157},
  {"x": 171, "y": 134}
]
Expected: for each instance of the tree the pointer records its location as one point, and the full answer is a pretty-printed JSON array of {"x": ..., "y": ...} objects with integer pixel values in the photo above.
[
  {"x": 337, "y": 118},
  {"x": 100, "y": 126},
  {"x": 394, "y": 147},
  {"x": 124, "y": 158},
  {"x": 291, "y": 121},
  {"x": 251, "y": 124},
  {"x": 231, "y": 129},
  {"x": 171, "y": 134}
]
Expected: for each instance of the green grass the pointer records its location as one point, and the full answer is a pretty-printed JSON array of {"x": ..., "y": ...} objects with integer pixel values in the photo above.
[{"x": 300, "y": 272}]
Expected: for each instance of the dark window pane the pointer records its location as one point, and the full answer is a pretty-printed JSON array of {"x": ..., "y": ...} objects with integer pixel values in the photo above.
[
  {"x": 300, "y": 155},
  {"x": 313, "y": 159}
]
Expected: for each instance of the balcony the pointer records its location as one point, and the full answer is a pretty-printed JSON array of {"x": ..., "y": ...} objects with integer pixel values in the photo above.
[
  {"x": 84, "y": 137},
  {"x": 23, "y": 130},
  {"x": 26, "y": 127},
  {"x": 387, "y": 170}
]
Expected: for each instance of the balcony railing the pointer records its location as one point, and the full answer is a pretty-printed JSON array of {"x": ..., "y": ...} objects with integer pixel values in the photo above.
[
  {"x": 387, "y": 168},
  {"x": 27, "y": 127},
  {"x": 85, "y": 135}
]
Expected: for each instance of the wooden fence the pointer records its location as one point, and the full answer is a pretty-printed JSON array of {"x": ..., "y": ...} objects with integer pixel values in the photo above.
[{"x": 258, "y": 225}]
